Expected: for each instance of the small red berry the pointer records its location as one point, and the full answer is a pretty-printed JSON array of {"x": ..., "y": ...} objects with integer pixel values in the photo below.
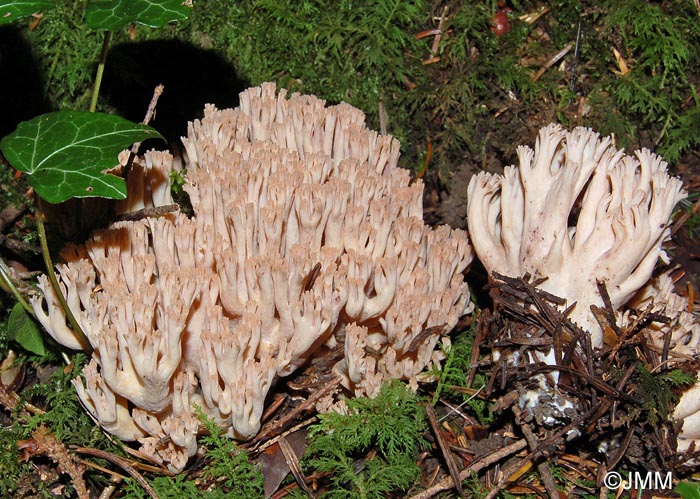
[{"x": 500, "y": 23}]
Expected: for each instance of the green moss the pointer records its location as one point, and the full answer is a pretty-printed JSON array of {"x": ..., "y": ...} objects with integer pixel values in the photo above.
[
  {"x": 64, "y": 416},
  {"x": 392, "y": 424},
  {"x": 338, "y": 51},
  {"x": 452, "y": 379},
  {"x": 656, "y": 390},
  {"x": 65, "y": 419},
  {"x": 169, "y": 488},
  {"x": 67, "y": 52},
  {"x": 368, "y": 55},
  {"x": 228, "y": 462},
  {"x": 10, "y": 464},
  {"x": 660, "y": 42}
]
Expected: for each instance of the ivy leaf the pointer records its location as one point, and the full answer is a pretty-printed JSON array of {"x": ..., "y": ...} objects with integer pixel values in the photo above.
[
  {"x": 688, "y": 490},
  {"x": 115, "y": 14},
  {"x": 64, "y": 153},
  {"x": 17, "y": 9},
  {"x": 24, "y": 331}
]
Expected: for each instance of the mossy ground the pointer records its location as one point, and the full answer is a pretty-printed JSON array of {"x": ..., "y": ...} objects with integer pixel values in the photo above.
[{"x": 461, "y": 97}]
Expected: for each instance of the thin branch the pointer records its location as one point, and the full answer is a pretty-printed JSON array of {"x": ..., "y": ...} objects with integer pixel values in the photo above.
[
  {"x": 449, "y": 460},
  {"x": 294, "y": 466},
  {"x": 8, "y": 285},
  {"x": 543, "y": 467},
  {"x": 150, "y": 112},
  {"x": 123, "y": 464},
  {"x": 17, "y": 246},
  {"x": 475, "y": 467},
  {"x": 153, "y": 212},
  {"x": 276, "y": 425},
  {"x": 683, "y": 218}
]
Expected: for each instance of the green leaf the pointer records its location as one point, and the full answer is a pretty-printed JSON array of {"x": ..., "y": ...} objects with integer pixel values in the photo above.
[
  {"x": 688, "y": 490},
  {"x": 24, "y": 331},
  {"x": 64, "y": 153},
  {"x": 115, "y": 14},
  {"x": 11, "y": 11}
]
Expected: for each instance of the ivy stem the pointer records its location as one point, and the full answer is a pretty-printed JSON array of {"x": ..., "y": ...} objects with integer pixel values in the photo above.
[
  {"x": 100, "y": 71},
  {"x": 9, "y": 286},
  {"x": 52, "y": 276}
]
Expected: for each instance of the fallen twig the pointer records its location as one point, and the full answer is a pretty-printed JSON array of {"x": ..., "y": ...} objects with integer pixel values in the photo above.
[
  {"x": 276, "y": 425},
  {"x": 475, "y": 467},
  {"x": 449, "y": 460},
  {"x": 294, "y": 466},
  {"x": 123, "y": 464},
  {"x": 543, "y": 467},
  {"x": 46, "y": 444}
]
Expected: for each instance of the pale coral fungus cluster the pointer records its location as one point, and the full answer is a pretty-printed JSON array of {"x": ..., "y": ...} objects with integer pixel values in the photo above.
[{"x": 304, "y": 231}]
